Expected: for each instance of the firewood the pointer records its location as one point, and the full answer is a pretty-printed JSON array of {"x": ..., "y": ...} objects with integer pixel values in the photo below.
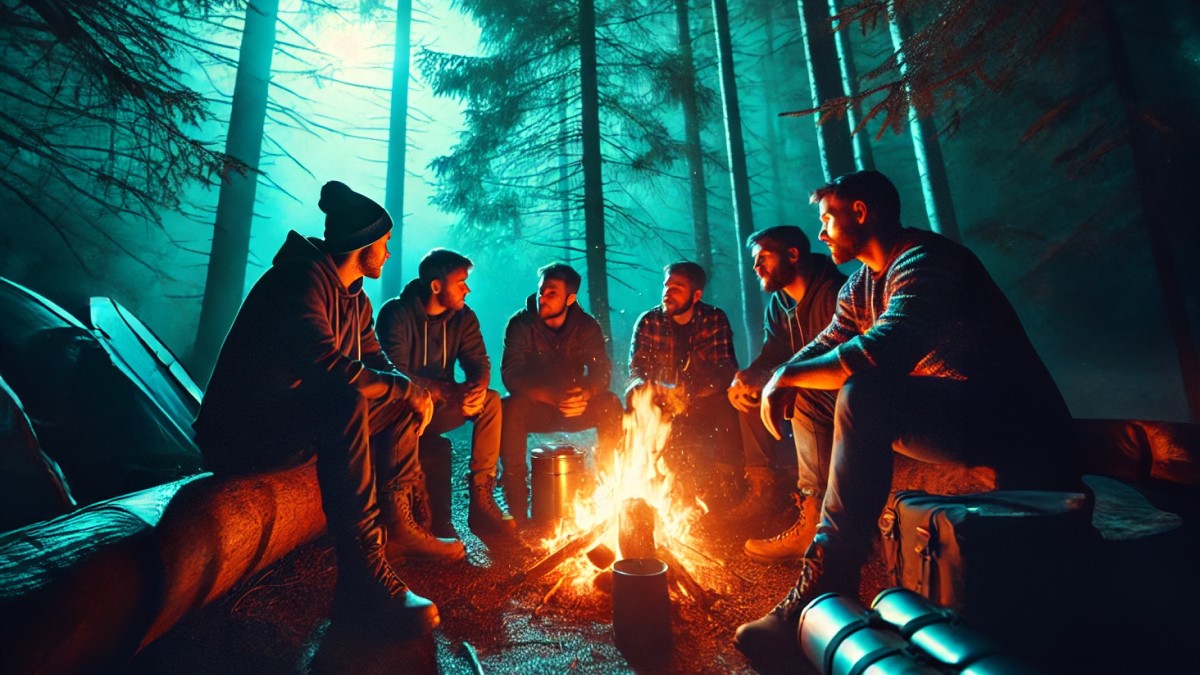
[
  {"x": 576, "y": 545},
  {"x": 677, "y": 571},
  {"x": 636, "y": 534}
]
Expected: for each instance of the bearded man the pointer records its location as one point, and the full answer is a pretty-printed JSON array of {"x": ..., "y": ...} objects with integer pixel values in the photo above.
[
  {"x": 683, "y": 351},
  {"x": 804, "y": 288},
  {"x": 557, "y": 371}
]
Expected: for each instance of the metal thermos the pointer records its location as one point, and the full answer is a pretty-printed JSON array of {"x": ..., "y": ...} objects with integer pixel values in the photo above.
[{"x": 560, "y": 473}]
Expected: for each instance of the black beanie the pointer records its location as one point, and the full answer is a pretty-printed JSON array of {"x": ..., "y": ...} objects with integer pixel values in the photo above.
[{"x": 352, "y": 221}]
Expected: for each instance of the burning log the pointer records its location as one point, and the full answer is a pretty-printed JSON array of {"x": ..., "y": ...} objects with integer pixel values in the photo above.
[
  {"x": 680, "y": 575},
  {"x": 578, "y": 544},
  {"x": 636, "y": 535},
  {"x": 601, "y": 556}
]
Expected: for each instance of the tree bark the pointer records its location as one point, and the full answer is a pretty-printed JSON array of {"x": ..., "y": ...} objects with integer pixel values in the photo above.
[
  {"x": 593, "y": 186},
  {"x": 691, "y": 134},
  {"x": 743, "y": 214},
  {"x": 935, "y": 184},
  {"x": 226, "y": 280},
  {"x": 825, "y": 79},
  {"x": 864, "y": 156},
  {"x": 393, "y": 199},
  {"x": 1160, "y": 169}
]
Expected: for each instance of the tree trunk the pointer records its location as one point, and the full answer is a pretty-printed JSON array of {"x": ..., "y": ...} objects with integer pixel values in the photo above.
[
  {"x": 935, "y": 184},
  {"x": 743, "y": 215},
  {"x": 864, "y": 157},
  {"x": 775, "y": 153},
  {"x": 691, "y": 132},
  {"x": 564, "y": 173},
  {"x": 393, "y": 199},
  {"x": 1161, "y": 171},
  {"x": 593, "y": 186},
  {"x": 825, "y": 79},
  {"x": 224, "y": 286}
]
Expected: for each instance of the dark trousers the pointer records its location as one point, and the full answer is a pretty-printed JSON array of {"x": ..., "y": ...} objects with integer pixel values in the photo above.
[
  {"x": 812, "y": 433},
  {"x": 523, "y": 415},
  {"x": 361, "y": 446},
  {"x": 1026, "y": 437},
  {"x": 485, "y": 434}
]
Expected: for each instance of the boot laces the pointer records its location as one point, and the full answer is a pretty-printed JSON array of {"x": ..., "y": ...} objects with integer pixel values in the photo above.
[
  {"x": 799, "y": 595},
  {"x": 798, "y": 498}
]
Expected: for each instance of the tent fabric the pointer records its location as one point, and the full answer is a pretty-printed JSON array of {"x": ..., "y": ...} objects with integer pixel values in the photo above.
[{"x": 32, "y": 485}]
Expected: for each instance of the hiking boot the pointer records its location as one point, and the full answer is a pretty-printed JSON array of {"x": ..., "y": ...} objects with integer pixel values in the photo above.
[
  {"x": 773, "y": 638},
  {"x": 406, "y": 539},
  {"x": 484, "y": 515},
  {"x": 370, "y": 596},
  {"x": 756, "y": 500},
  {"x": 792, "y": 543}
]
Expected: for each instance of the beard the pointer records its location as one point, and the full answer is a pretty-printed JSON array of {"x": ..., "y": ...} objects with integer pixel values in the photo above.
[
  {"x": 680, "y": 310},
  {"x": 546, "y": 315},
  {"x": 445, "y": 299},
  {"x": 846, "y": 247},
  {"x": 370, "y": 262},
  {"x": 779, "y": 278}
]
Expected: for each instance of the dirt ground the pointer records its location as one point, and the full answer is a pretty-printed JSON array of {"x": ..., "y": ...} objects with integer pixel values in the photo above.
[
  {"x": 1131, "y": 613},
  {"x": 277, "y": 622}
]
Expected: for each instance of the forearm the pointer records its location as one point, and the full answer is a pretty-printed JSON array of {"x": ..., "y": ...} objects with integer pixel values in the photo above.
[{"x": 824, "y": 371}]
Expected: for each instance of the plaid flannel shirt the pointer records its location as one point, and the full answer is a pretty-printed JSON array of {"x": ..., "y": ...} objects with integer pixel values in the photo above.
[{"x": 702, "y": 359}]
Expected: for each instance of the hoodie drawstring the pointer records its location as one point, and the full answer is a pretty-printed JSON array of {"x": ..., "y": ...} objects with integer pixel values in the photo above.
[{"x": 425, "y": 347}]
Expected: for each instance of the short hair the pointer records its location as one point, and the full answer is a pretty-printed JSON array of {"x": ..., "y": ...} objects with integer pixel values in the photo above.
[
  {"x": 689, "y": 270},
  {"x": 438, "y": 264},
  {"x": 564, "y": 273},
  {"x": 780, "y": 238},
  {"x": 872, "y": 188}
]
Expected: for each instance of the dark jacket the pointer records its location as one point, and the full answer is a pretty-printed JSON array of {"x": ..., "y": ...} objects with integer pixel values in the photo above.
[
  {"x": 789, "y": 325},
  {"x": 298, "y": 324},
  {"x": 537, "y": 357},
  {"x": 425, "y": 347}
]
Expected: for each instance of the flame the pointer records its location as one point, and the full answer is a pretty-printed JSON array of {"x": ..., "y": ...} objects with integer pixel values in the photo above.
[{"x": 638, "y": 470}]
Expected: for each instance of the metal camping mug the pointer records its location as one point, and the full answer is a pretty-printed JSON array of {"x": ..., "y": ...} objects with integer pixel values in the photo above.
[{"x": 641, "y": 607}]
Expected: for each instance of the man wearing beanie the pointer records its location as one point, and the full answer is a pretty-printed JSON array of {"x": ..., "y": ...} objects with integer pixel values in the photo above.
[
  {"x": 425, "y": 331},
  {"x": 301, "y": 377}
]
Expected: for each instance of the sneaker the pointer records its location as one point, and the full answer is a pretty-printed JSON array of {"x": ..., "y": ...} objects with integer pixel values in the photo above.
[
  {"x": 792, "y": 543},
  {"x": 773, "y": 638}
]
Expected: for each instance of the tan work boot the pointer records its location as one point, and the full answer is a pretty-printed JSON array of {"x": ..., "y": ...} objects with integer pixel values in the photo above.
[
  {"x": 406, "y": 539},
  {"x": 756, "y": 500},
  {"x": 484, "y": 515},
  {"x": 792, "y": 543}
]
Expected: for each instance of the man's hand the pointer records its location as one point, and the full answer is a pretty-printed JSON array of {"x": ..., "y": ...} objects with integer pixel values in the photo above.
[
  {"x": 742, "y": 394},
  {"x": 777, "y": 402},
  {"x": 473, "y": 395},
  {"x": 424, "y": 407},
  {"x": 574, "y": 402}
]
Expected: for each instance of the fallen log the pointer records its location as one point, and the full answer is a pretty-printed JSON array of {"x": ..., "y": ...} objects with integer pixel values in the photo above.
[
  {"x": 578, "y": 544},
  {"x": 679, "y": 572}
]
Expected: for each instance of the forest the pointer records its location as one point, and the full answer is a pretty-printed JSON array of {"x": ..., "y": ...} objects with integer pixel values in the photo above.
[{"x": 157, "y": 152}]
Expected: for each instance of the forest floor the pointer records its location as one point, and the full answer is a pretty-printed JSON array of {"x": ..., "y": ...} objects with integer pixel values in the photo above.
[{"x": 1138, "y": 601}]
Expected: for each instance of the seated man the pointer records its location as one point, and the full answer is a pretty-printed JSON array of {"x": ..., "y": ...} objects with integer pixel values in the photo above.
[
  {"x": 557, "y": 371},
  {"x": 683, "y": 349},
  {"x": 301, "y": 374},
  {"x": 929, "y": 359},
  {"x": 804, "y": 288},
  {"x": 425, "y": 331}
]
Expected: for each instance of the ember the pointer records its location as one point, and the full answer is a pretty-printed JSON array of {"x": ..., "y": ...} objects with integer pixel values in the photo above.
[{"x": 636, "y": 510}]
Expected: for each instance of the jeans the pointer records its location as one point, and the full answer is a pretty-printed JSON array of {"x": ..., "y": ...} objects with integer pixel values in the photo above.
[
  {"x": 523, "y": 415},
  {"x": 812, "y": 433}
]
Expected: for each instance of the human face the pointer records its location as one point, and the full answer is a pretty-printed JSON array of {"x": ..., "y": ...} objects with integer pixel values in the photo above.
[
  {"x": 553, "y": 299},
  {"x": 775, "y": 270},
  {"x": 678, "y": 295},
  {"x": 371, "y": 258},
  {"x": 453, "y": 294},
  {"x": 841, "y": 229}
]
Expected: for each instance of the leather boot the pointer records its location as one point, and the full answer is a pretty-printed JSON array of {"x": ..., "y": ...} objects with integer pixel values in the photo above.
[
  {"x": 772, "y": 639},
  {"x": 756, "y": 500},
  {"x": 407, "y": 540},
  {"x": 369, "y": 595},
  {"x": 792, "y": 543},
  {"x": 485, "y": 515}
]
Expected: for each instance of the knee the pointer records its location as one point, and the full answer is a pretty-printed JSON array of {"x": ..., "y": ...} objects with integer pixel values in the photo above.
[
  {"x": 516, "y": 404},
  {"x": 491, "y": 402},
  {"x": 862, "y": 395}
]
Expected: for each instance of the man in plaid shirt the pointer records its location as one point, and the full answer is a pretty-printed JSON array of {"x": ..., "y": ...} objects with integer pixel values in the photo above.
[{"x": 683, "y": 351}]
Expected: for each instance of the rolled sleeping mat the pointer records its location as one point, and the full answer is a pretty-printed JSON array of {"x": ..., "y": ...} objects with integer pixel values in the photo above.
[{"x": 841, "y": 638}]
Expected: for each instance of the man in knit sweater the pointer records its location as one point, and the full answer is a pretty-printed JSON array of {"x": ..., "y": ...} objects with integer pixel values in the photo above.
[{"x": 929, "y": 359}]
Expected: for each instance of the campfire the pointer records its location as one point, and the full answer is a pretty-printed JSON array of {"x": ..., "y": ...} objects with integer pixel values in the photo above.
[{"x": 637, "y": 510}]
